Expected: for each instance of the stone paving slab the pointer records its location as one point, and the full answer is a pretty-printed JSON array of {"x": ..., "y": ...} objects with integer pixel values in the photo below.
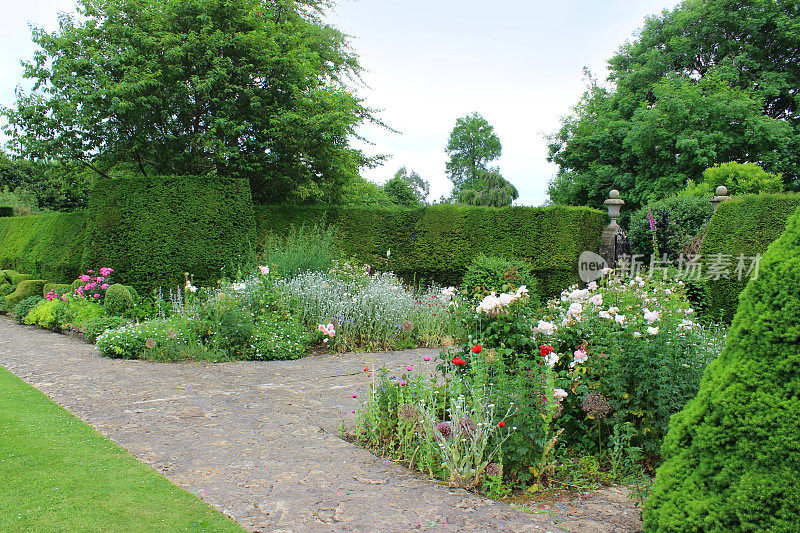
[{"x": 257, "y": 440}]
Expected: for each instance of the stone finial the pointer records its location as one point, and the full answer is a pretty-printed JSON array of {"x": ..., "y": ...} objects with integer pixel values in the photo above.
[
  {"x": 614, "y": 204},
  {"x": 720, "y": 196}
]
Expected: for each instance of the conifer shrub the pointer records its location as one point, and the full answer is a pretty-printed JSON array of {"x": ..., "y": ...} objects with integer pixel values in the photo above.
[
  {"x": 25, "y": 289},
  {"x": 118, "y": 300},
  {"x": 731, "y": 456},
  {"x": 6, "y": 275},
  {"x": 5, "y": 289}
]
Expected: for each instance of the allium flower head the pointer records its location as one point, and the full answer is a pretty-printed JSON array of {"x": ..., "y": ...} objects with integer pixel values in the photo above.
[
  {"x": 466, "y": 427},
  {"x": 596, "y": 405},
  {"x": 442, "y": 430}
]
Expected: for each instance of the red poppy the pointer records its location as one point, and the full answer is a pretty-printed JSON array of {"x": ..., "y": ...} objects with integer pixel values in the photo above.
[
  {"x": 545, "y": 350},
  {"x": 476, "y": 349},
  {"x": 502, "y": 424},
  {"x": 459, "y": 362}
]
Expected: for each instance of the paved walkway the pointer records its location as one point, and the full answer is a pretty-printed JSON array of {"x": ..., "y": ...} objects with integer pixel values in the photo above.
[{"x": 257, "y": 440}]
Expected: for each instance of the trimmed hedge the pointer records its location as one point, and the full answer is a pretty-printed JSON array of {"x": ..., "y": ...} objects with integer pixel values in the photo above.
[
  {"x": 151, "y": 230},
  {"x": 746, "y": 226},
  {"x": 439, "y": 242},
  {"x": 49, "y": 246},
  {"x": 16, "y": 279},
  {"x": 26, "y": 289},
  {"x": 731, "y": 455}
]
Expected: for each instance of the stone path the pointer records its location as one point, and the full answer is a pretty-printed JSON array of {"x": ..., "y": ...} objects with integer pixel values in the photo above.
[{"x": 258, "y": 440}]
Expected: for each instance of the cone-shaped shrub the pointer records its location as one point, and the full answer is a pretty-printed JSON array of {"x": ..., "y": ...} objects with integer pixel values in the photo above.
[{"x": 732, "y": 455}]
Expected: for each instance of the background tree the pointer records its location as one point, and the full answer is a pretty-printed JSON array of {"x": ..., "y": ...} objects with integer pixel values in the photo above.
[
  {"x": 419, "y": 187},
  {"x": 240, "y": 88},
  {"x": 747, "y": 178},
  {"x": 493, "y": 191},
  {"x": 707, "y": 83},
  {"x": 471, "y": 146}
]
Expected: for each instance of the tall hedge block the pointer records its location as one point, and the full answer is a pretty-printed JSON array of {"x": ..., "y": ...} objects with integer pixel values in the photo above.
[
  {"x": 153, "y": 229},
  {"x": 746, "y": 226},
  {"x": 732, "y": 455},
  {"x": 49, "y": 246},
  {"x": 439, "y": 242}
]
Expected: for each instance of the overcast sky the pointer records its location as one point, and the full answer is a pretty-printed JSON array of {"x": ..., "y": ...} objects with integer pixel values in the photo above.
[{"x": 518, "y": 63}]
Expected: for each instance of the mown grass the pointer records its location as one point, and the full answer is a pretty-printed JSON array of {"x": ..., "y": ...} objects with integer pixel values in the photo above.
[{"x": 59, "y": 474}]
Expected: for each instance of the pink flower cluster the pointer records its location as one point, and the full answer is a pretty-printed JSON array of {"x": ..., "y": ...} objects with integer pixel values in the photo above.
[
  {"x": 93, "y": 283},
  {"x": 326, "y": 330}
]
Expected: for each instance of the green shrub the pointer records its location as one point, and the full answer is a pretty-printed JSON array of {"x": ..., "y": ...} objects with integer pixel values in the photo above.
[
  {"x": 486, "y": 274},
  {"x": 439, "y": 242},
  {"x": 275, "y": 337},
  {"x": 23, "y": 307},
  {"x": 95, "y": 327},
  {"x": 58, "y": 289},
  {"x": 49, "y": 245},
  {"x": 6, "y": 288},
  {"x": 731, "y": 455},
  {"x": 741, "y": 178},
  {"x": 151, "y": 230},
  {"x": 79, "y": 311},
  {"x": 6, "y": 275},
  {"x": 47, "y": 314},
  {"x": 232, "y": 328},
  {"x": 161, "y": 340},
  {"x": 26, "y": 288},
  {"x": 678, "y": 220},
  {"x": 118, "y": 300},
  {"x": 742, "y": 226},
  {"x": 16, "y": 279}
]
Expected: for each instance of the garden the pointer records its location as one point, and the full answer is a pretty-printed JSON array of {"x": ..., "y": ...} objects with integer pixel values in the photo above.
[
  {"x": 531, "y": 393},
  {"x": 209, "y": 205}
]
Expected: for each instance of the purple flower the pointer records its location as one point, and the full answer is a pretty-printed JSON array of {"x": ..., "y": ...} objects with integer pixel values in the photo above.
[{"x": 444, "y": 430}]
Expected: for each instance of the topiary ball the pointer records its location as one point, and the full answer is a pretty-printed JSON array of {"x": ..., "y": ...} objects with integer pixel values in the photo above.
[{"x": 118, "y": 300}]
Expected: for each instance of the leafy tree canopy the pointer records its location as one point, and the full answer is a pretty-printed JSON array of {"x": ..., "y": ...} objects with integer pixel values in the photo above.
[
  {"x": 472, "y": 145},
  {"x": 242, "y": 88},
  {"x": 747, "y": 178},
  {"x": 492, "y": 190},
  {"x": 710, "y": 82},
  {"x": 419, "y": 187}
]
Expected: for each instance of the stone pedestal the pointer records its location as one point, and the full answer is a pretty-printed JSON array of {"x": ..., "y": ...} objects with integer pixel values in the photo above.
[{"x": 607, "y": 244}]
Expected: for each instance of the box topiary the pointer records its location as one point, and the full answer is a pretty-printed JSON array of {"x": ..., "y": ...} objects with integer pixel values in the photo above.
[
  {"x": 25, "y": 289},
  {"x": 118, "y": 300},
  {"x": 731, "y": 456},
  {"x": 16, "y": 279}
]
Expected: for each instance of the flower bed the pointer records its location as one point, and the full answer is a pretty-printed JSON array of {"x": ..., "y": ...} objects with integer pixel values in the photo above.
[{"x": 582, "y": 388}]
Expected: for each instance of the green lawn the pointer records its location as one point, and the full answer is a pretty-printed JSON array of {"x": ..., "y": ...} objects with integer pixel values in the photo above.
[{"x": 59, "y": 474}]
